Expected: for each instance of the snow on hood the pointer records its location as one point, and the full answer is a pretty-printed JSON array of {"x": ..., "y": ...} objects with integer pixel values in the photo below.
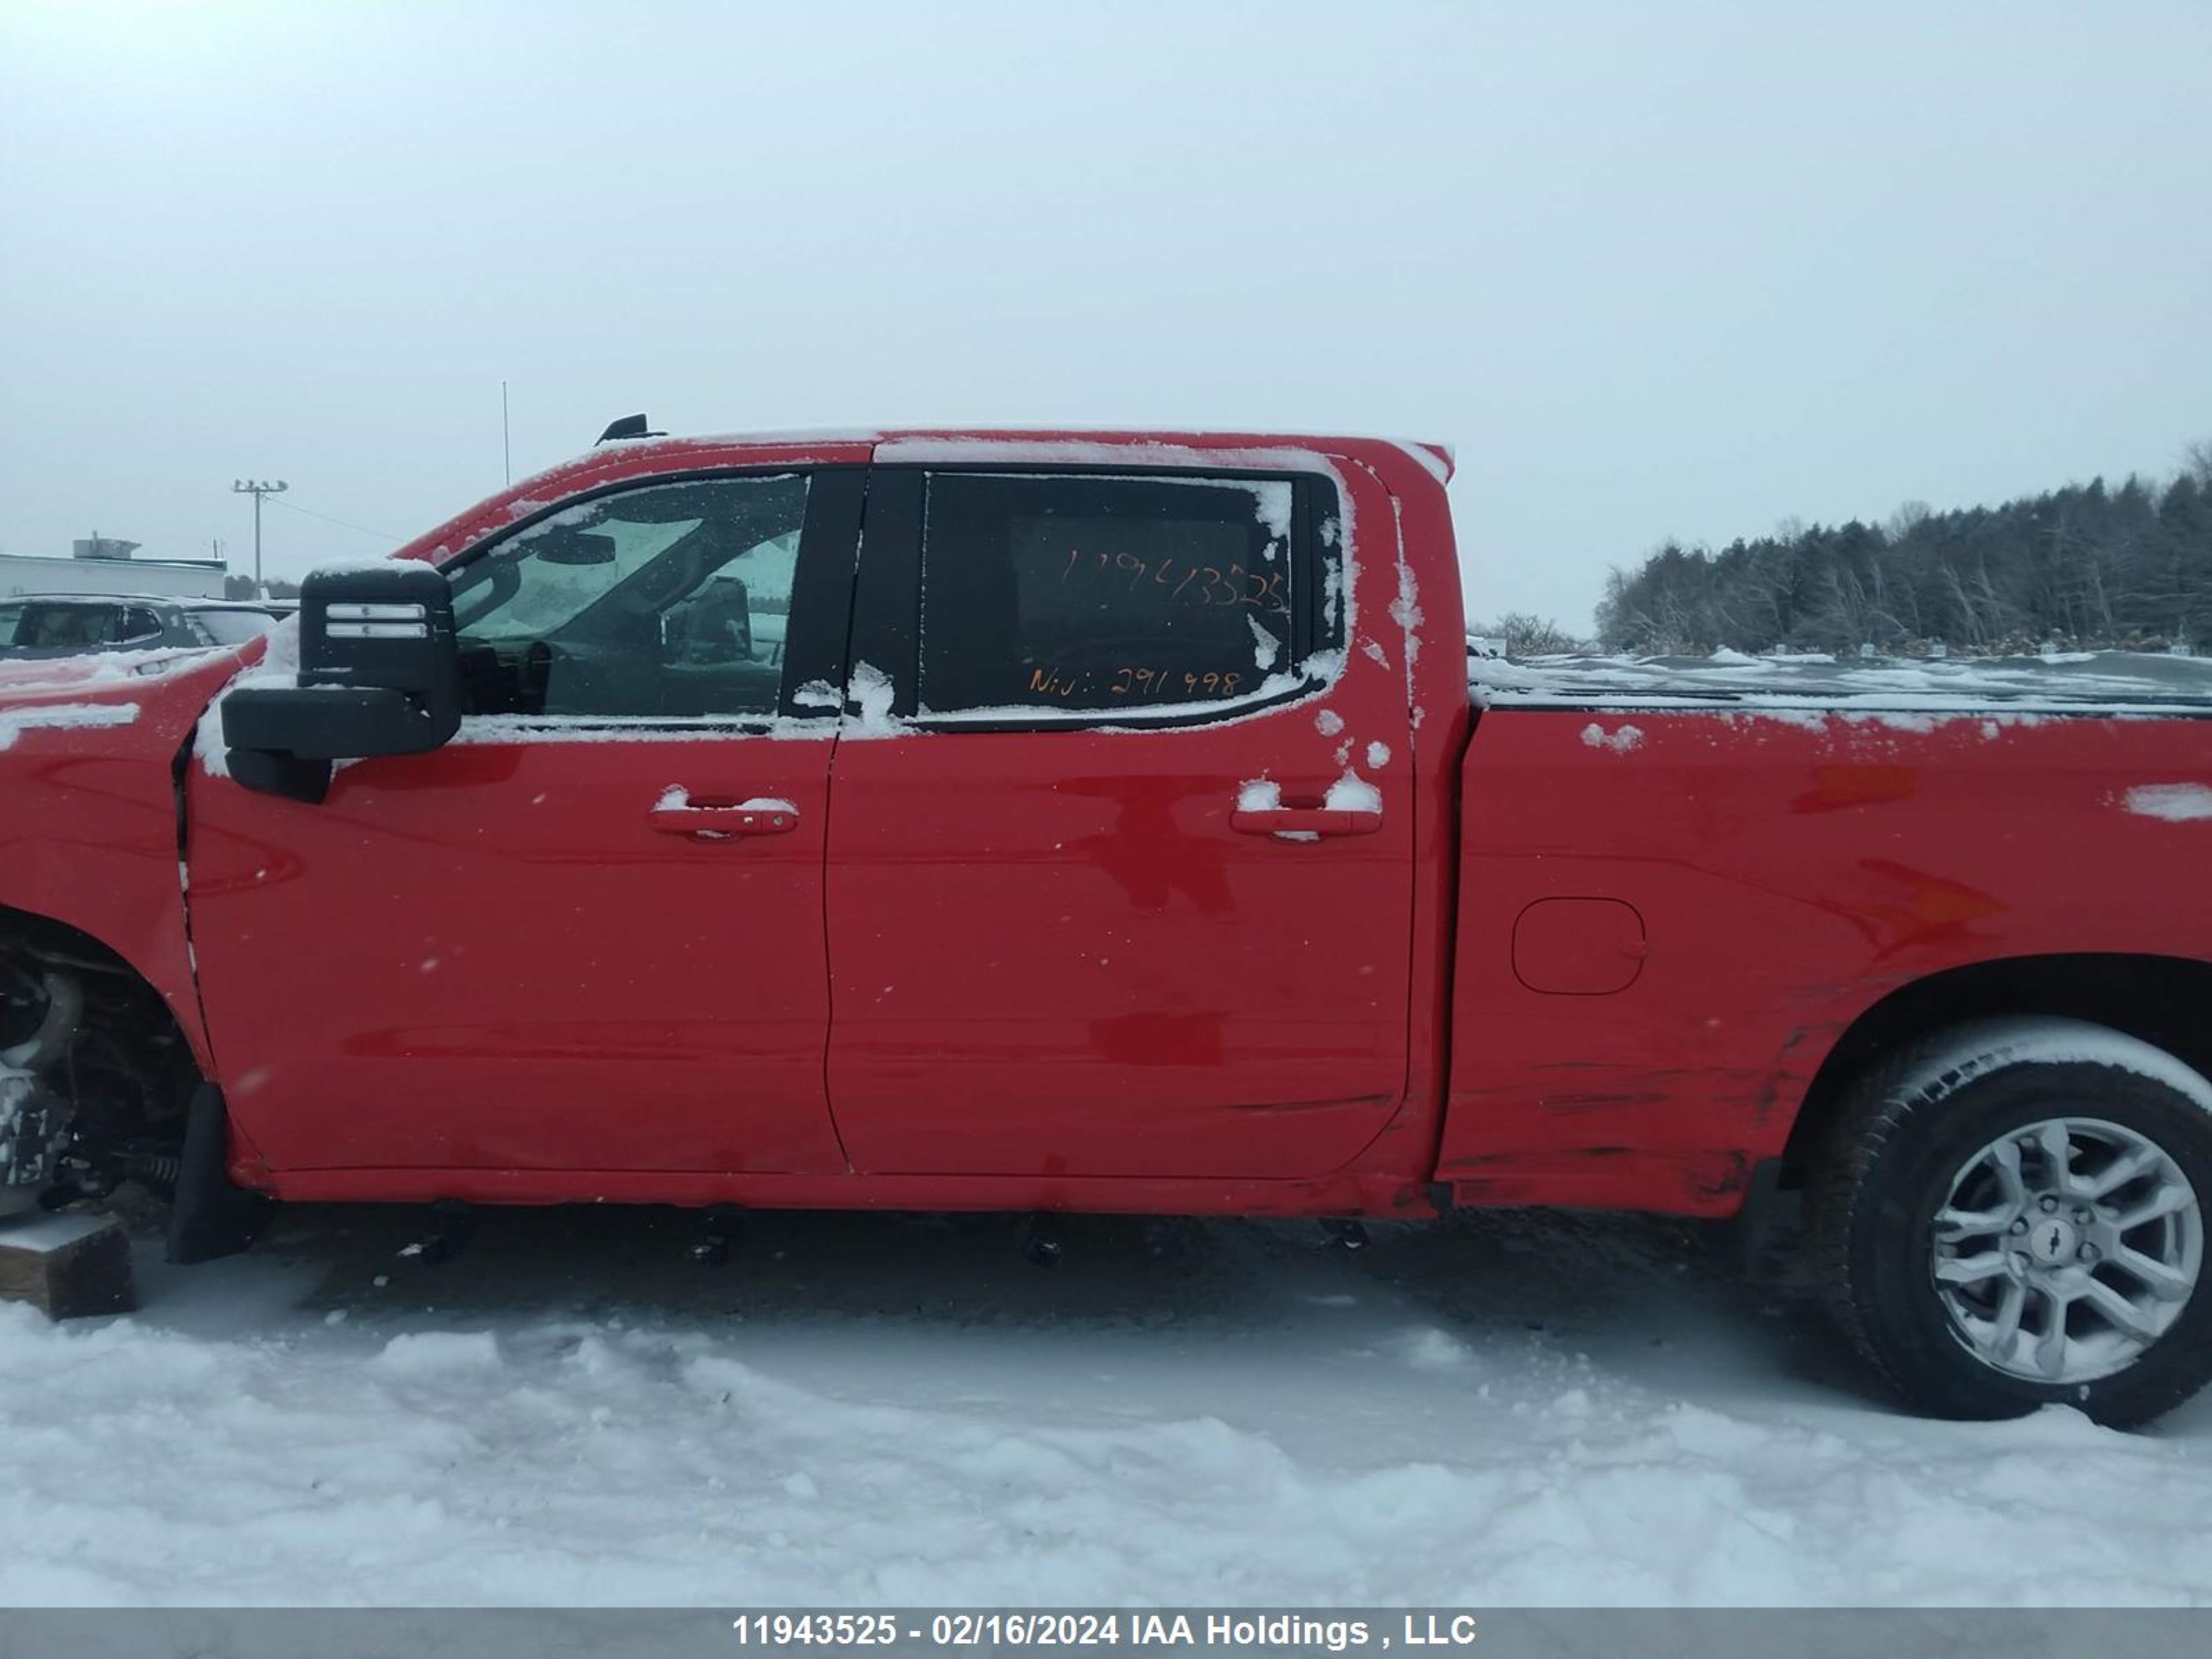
[
  {"x": 36, "y": 676},
  {"x": 14, "y": 721}
]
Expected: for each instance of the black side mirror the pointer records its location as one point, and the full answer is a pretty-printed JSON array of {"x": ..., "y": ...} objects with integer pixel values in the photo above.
[{"x": 379, "y": 674}]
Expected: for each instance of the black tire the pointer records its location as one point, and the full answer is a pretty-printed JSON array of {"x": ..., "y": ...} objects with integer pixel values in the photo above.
[{"x": 1887, "y": 1167}]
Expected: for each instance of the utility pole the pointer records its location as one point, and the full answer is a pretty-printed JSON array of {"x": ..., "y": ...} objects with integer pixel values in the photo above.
[
  {"x": 258, "y": 488},
  {"x": 506, "y": 448}
]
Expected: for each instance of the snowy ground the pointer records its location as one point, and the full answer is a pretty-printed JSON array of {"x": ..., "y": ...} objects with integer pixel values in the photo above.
[{"x": 1499, "y": 1409}]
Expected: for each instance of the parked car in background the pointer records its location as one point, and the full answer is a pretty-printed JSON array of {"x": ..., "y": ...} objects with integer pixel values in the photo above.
[{"x": 70, "y": 625}]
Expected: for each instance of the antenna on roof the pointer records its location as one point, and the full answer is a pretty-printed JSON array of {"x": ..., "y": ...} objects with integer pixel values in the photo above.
[{"x": 631, "y": 426}]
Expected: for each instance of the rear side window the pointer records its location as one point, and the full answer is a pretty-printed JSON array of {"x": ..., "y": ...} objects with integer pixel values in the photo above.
[
  {"x": 1109, "y": 595},
  {"x": 12, "y": 619},
  {"x": 139, "y": 623},
  {"x": 68, "y": 626}
]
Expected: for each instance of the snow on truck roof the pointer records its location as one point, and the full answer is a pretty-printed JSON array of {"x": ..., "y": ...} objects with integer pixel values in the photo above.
[
  {"x": 2138, "y": 683},
  {"x": 1437, "y": 459}
]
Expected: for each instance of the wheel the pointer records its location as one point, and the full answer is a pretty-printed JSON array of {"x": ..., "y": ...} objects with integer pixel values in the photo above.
[{"x": 2012, "y": 1215}]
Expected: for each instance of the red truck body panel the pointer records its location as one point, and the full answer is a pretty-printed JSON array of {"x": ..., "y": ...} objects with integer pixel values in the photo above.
[
  {"x": 1744, "y": 885},
  {"x": 88, "y": 833},
  {"x": 1584, "y": 958}
]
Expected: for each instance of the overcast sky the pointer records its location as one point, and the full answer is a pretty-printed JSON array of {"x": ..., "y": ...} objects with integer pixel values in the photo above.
[{"x": 1655, "y": 270}]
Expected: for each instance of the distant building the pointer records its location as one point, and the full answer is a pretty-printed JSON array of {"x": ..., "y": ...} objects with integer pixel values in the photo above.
[
  {"x": 102, "y": 547},
  {"x": 103, "y": 564}
]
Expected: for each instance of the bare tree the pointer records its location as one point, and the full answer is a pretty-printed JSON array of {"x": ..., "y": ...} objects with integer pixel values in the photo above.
[
  {"x": 2196, "y": 462},
  {"x": 1527, "y": 634}
]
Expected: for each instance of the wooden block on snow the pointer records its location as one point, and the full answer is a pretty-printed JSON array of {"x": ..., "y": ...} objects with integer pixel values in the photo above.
[{"x": 65, "y": 1265}]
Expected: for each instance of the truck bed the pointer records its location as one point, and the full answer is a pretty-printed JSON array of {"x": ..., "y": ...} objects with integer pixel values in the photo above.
[
  {"x": 1680, "y": 882},
  {"x": 2084, "y": 682}
]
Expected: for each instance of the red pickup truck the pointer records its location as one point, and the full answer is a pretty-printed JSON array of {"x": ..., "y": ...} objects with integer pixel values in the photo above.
[{"x": 1067, "y": 822}]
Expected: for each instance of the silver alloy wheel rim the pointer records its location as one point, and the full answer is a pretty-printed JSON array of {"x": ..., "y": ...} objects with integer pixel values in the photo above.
[{"x": 2065, "y": 1248}]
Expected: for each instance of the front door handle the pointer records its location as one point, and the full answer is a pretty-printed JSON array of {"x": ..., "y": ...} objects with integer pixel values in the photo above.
[
  {"x": 1305, "y": 821},
  {"x": 679, "y": 813}
]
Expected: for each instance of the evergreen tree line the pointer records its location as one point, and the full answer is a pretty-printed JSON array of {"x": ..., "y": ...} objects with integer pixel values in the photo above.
[{"x": 2086, "y": 567}]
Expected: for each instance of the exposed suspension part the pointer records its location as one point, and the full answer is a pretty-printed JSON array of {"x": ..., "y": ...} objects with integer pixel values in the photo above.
[
  {"x": 41, "y": 1015},
  {"x": 94, "y": 1074}
]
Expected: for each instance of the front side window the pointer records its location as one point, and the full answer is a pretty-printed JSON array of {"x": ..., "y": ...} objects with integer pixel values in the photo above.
[
  {"x": 1091, "y": 594},
  {"x": 666, "y": 601}
]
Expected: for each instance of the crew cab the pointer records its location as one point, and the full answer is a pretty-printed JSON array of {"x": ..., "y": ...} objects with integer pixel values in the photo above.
[{"x": 1047, "y": 822}]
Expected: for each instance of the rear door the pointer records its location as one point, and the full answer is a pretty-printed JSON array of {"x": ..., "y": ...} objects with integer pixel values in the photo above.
[
  {"x": 1122, "y": 887},
  {"x": 586, "y": 934}
]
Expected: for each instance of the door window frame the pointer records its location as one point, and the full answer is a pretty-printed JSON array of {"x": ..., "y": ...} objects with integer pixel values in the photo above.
[
  {"x": 887, "y": 613},
  {"x": 818, "y": 634}
]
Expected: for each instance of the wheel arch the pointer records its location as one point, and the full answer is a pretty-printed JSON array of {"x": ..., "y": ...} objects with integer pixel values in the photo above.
[
  {"x": 48, "y": 938},
  {"x": 2164, "y": 1001}
]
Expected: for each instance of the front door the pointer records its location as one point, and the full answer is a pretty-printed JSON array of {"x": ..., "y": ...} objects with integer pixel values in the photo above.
[
  {"x": 1125, "y": 887},
  {"x": 587, "y": 933}
]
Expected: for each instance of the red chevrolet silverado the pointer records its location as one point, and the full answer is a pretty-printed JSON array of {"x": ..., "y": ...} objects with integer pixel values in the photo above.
[{"x": 1103, "y": 821}]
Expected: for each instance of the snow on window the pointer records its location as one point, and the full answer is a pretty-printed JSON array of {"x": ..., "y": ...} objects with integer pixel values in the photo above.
[
  {"x": 1265, "y": 648},
  {"x": 1271, "y": 506},
  {"x": 872, "y": 694}
]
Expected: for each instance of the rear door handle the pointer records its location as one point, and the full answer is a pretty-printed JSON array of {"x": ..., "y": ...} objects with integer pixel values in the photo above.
[
  {"x": 1305, "y": 821},
  {"x": 706, "y": 819}
]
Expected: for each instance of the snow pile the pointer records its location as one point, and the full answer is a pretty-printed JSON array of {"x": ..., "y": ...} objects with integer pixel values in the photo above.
[
  {"x": 1621, "y": 742},
  {"x": 13, "y": 722},
  {"x": 2078, "y": 683},
  {"x": 78, "y": 673},
  {"x": 1259, "y": 795},
  {"x": 2177, "y": 803},
  {"x": 871, "y": 1409},
  {"x": 872, "y": 695},
  {"x": 271, "y": 660},
  {"x": 1353, "y": 793}
]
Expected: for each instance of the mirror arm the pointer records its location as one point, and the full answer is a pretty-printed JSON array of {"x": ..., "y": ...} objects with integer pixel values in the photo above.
[{"x": 273, "y": 773}]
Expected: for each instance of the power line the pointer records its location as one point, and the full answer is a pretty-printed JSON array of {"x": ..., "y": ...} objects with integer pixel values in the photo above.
[
  {"x": 261, "y": 490},
  {"x": 340, "y": 523}
]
